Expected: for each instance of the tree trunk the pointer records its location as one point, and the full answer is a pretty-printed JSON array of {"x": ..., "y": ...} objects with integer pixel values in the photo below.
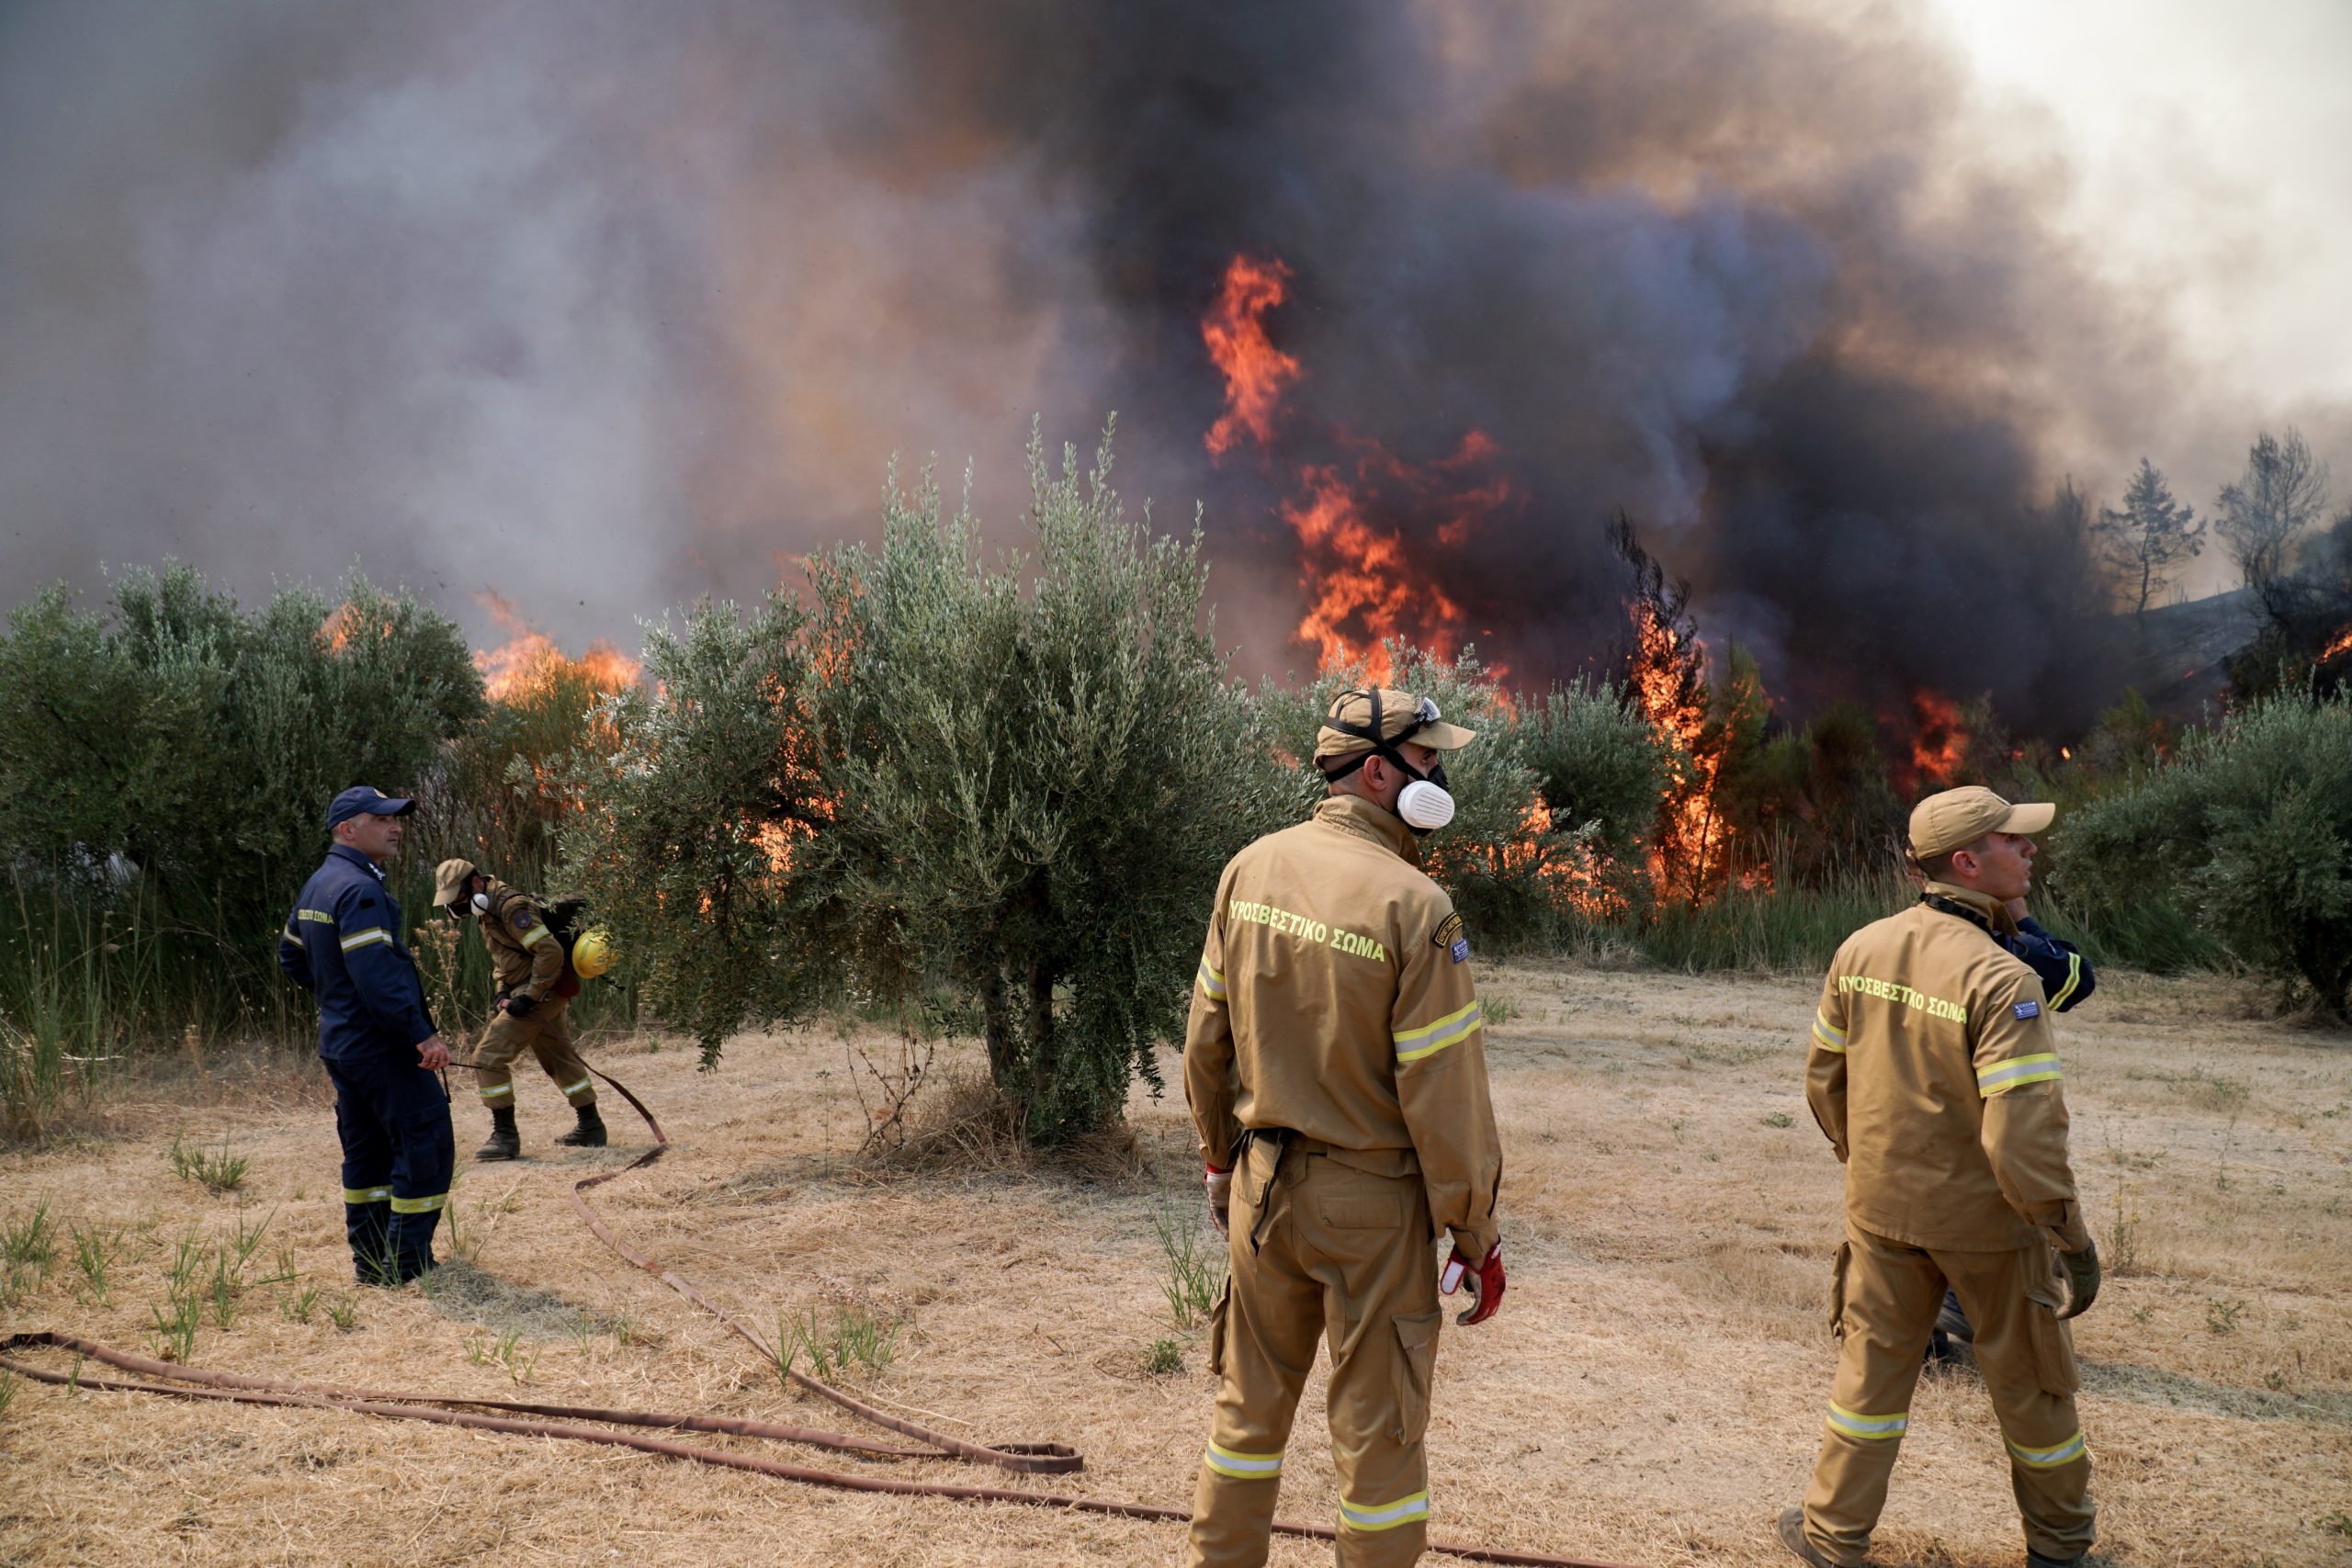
[{"x": 999, "y": 1023}]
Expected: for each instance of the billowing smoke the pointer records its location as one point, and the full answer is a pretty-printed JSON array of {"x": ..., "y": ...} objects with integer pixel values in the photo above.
[{"x": 602, "y": 304}]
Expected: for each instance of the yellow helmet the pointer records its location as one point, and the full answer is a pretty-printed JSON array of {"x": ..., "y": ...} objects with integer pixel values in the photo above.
[{"x": 591, "y": 952}]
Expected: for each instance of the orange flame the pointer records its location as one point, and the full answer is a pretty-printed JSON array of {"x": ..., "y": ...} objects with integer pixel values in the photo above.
[
  {"x": 1363, "y": 585},
  {"x": 1360, "y": 589},
  {"x": 337, "y": 628},
  {"x": 1256, "y": 372},
  {"x": 527, "y": 658},
  {"x": 1938, "y": 740},
  {"x": 1690, "y": 848},
  {"x": 2338, "y": 644}
]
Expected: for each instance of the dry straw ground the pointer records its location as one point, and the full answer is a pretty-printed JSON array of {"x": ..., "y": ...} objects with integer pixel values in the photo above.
[{"x": 1652, "y": 1392}]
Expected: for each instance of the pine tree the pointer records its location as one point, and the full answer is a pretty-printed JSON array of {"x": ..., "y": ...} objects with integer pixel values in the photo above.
[{"x": 2149, "y": 539}]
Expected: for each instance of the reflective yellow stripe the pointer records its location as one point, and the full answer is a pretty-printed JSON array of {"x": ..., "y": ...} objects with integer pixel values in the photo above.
[
  {"x": 363, "y": 938},
  {"x": 2074, "y": 978},
  {"x": 1386, "y": 1516},
  {"x": 571, "y": 1089},
  {"x": 1211, "y": 982},
  {"x": 1240, "y": 1466},
  {"x": 1827, "y": 1035},
  {"x": 365, "y": 1195},
  {"x": 2003, "y": 1077},
  {"x": 291, "y": 935},
  {"x": 419, "y": 1205},
  {"x": 1431, "y": 1038},
  {"x": 1854, "y": 1424},
  {"x": 2066, "y": 1453},
  {"x": 494, "y": 1091},
  {"x": 536, "y": 934}
]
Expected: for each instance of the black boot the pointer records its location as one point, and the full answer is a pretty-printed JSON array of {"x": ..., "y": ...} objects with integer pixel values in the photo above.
[
  {"x": 590, "y": 1133},
  {"x": 505, "y": 1143}
]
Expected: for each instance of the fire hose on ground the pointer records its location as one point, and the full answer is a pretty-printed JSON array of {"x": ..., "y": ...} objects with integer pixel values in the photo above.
[{"x": 562, "y": 1421}]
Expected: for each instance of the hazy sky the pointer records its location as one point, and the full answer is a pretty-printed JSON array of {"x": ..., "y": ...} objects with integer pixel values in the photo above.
[{"x": 2211, "y": 153}]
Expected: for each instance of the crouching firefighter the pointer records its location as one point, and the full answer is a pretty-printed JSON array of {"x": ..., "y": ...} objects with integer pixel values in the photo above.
[
  {"x": 531, "y": 1009},
  {"x": 343, "y": 944},
  {"x": 1334, "y": 1068}
]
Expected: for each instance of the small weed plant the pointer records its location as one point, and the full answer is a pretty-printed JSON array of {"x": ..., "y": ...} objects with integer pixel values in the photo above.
[
  {"x": 2221, "y": 1318},
  {"x": 173, "y": 1334},
  {"x": 1164, "y": 1356},
  {"x": 852, "y": 1336},
  {"x": 95, "y": 1251},
  {"x": 297, "y": 1305},
  {"x": 1194, "y": 1258},
  {"x": 343, "y": 1313},
  {"x": 218, "y": 1173}
]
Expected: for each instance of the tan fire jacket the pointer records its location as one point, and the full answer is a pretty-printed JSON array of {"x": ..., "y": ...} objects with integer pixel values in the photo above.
[
  {"x": 524, "y": 954},
  {"x": 1934, "y": 1073},
  {"x": 1334, "y": 1000}
]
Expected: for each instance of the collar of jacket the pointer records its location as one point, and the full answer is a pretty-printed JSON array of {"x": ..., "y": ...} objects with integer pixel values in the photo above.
[
  {"x": 1988, "y": 912},
  {"x": 1354, "y": 814},
  {"x": 356, "y": 858}
]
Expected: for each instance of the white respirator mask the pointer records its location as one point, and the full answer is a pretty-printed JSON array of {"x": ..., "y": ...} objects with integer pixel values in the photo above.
[
  {"x": 1425, "y": 803},
  {"x": 481, "y": 903}
]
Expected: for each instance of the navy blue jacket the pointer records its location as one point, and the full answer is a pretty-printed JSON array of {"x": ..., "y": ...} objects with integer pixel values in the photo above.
[
  {"x": 343, "y": 944},
  {"x": 2066, "y": 977}
]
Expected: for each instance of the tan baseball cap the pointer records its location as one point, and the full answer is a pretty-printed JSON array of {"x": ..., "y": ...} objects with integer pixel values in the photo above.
[
  {"x": 449, "y": 882},
  {"x": 1958, "y": 818},
  {"x": 1403, "y": 716}
]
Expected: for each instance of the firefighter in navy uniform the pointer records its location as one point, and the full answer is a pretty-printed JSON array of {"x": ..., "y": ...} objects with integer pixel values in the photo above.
[
  {"x": 343, "y": 944},
  {"x": 1335, "y": 1067},
  {"x": 1934, "y": 1075},
  {"x": 531, "y": 1010}
]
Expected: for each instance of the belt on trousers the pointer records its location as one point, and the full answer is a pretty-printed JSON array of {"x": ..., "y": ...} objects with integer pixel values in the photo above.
[{"x": 1393, "y": 1163}]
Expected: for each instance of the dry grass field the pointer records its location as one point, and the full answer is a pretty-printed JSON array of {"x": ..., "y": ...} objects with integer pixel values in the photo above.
[{"x": 1652, "y": 1392}]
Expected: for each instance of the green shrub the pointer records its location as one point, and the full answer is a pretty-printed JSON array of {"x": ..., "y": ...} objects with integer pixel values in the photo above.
[{"x": 2248, "y": 828}]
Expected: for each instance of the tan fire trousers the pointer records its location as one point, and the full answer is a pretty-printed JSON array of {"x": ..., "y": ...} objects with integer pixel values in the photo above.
[
  {"x": 546, "y": 1034},
  {"x": 1342, "y": 1254},
  {"x": 1883, "y": 1303}
]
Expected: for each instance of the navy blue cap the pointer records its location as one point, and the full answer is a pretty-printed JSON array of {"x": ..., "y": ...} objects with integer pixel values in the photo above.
[{"x": 361, "y": 799}]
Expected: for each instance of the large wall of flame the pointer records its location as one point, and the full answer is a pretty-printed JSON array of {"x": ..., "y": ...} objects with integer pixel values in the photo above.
[{"x": 601, "y": 305}]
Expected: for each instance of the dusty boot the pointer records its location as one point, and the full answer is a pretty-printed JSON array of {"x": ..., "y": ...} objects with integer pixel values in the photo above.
[
  {"x": 2035, "y": 1559},
  {"x": 505, "y": 1143},
  {"x": 1791, "y": 1531},
  {"x": 590, "y": 1133}
]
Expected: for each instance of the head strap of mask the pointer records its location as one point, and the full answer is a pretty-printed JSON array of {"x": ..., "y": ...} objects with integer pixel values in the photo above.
[{"x": 1381, "y": 746}]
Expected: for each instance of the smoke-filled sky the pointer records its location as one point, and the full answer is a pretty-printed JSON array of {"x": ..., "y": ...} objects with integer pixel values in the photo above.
[{"x": 603, "y": 305}]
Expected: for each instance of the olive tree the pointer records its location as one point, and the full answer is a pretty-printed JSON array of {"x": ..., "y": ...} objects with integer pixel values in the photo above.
[
  {"x": 2249, "y": 825},
  {"x": 693, "y": 804},
  {"x": 1038, "y": 770}
]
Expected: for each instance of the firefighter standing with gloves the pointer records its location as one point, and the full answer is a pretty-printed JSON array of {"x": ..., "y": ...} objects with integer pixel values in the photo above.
[
  {"x": 343, "y": 944},
  {"x": 531, "y": 1009},
  {"x": 1334, "y": 1068},
  {"x": 1934, "y": 1073}
]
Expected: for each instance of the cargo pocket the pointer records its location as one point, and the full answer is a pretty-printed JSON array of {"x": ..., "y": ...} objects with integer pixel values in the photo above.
[
  {"x": 1838, "y": 1289},
  {"x": 1415, "y": 1363},
  {"x": 2052, "y": 1341},
  {"x": 1218, "y": 1317}
]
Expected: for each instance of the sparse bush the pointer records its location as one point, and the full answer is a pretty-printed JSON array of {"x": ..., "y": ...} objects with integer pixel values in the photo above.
[
  {"x": 219, "y": 1173},
  {"x": 2250, "y": 824}
]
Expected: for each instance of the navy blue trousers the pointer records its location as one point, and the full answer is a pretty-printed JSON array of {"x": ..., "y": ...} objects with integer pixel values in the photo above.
[{"x": 399, "y": 1152}]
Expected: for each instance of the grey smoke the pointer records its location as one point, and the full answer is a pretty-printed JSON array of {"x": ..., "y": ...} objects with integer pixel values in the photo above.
[{"x": 603, "y": 305}]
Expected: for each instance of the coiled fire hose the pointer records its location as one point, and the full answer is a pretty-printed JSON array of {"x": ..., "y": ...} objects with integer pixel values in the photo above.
[{"x": 560, "y": 1421}]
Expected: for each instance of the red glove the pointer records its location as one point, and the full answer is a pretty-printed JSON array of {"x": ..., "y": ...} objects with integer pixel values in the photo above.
[
  {"x": 1485, "y": 1281},
  {"x": 1219, "y": 1184}
]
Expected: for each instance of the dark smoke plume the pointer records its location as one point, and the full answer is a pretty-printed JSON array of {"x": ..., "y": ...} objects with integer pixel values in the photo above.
[{"x": 602, "y": 304}]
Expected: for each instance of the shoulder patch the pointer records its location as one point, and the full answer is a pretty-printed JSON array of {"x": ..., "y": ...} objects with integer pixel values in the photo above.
[
  {"x": 2026, "y": 1010},
  {"x": 1448, "y": 933},
  {"x": 522, "y": 918}
]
